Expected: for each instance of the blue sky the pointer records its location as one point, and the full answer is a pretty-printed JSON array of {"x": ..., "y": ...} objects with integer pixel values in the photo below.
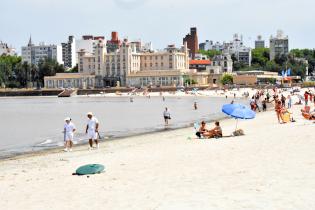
[{"x": 160, "y": 21}]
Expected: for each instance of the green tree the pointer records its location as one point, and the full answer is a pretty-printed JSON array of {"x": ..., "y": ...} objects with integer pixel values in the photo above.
[
  {"x": 48, "y": 67},
  {"x": 190, "y": 81},
  {"x": 210, "y": 53},
  {"x": 260, "y": 57},
  {"x": 226, "y": 79}
]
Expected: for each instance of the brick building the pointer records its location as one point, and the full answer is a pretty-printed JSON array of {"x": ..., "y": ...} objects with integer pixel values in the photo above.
[{"x": 192, "y": 42}]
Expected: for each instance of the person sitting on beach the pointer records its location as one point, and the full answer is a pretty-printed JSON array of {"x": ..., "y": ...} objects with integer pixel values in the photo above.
[
  {"x": 69, "y": 129},
  {"x": 299, "y": 102},
  {"x": 202, "y": 129},
  {"x": 215, "y": 132}
]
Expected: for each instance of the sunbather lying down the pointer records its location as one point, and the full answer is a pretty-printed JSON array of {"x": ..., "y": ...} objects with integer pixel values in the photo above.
[
  {"x": 309, "y": 116},
  {"x": 216, "y": 132}
]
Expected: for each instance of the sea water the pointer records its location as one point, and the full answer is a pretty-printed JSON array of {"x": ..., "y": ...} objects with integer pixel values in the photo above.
[{"x": 36, "y": 123}]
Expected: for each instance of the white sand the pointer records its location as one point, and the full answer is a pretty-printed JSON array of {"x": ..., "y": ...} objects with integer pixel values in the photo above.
[{"x": 271, "y": 167}]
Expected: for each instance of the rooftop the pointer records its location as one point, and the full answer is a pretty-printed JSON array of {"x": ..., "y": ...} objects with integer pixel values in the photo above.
[{"x": 199, "y": 62}]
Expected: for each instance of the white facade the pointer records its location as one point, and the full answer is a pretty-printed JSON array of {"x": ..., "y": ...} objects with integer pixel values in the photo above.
[
  {"x": 279, "y": 45},
  {"x": 69, "y": 53},
  {"x": 86, "y": 45},
  {"x": 129, "y": 67},
  {"x": 6, "y": 50},
  {"x": 235, "y": 47},
  {"x": 69, "y": 80},
  {"x": 33, "y": 54},
  {"x": 221, "y": 64}
]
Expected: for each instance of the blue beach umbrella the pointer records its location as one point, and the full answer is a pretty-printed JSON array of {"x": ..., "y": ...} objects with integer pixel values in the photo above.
[{"x": 238, "y": 111}]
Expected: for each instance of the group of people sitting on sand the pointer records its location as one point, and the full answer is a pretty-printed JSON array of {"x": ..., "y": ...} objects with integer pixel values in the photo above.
[{"x": 215, "y": 132}]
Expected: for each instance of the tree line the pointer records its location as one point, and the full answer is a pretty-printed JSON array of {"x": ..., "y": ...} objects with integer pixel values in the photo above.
[
  {"x": 295, "y": 60},
  {"x": 17, "y": 74}
]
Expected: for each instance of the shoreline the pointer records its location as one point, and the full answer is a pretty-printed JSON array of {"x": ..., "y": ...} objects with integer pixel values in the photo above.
[
  {"x": 269, "y": 167},
  {"x": 55, "y": 149}
]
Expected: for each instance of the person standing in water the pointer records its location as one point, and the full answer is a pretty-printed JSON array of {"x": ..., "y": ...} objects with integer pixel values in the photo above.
[
  {"x": 69, "y": 129},
  {"x": 92, "y": 130},
  {"x": 166, "y": 115},
  {"x": 195, "y": 106}
]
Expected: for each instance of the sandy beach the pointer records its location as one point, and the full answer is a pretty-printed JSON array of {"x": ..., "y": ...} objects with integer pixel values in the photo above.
[{"x": 271, "y": 167}]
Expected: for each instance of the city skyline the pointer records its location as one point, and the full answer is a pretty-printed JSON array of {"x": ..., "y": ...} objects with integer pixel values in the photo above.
[{"x": 161, "y": 22}]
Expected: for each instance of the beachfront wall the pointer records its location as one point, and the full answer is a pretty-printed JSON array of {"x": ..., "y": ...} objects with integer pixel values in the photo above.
[
  {"x": 70, "y": 80},
  {"x": 245, "y": 79}
]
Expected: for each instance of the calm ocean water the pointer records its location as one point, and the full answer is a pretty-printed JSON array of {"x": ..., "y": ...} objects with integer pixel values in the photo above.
[{"x": 36, "y": 123}]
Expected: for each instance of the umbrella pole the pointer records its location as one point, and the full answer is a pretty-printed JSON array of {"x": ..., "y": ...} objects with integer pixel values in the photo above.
[{"x": 236, "y": 124}]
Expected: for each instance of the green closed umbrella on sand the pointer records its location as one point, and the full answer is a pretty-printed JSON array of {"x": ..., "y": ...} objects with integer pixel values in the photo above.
[{"x": 90, "y": 169}]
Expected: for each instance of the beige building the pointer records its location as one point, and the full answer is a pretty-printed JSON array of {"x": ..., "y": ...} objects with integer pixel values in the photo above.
[
  {"x": 70, "y": 80},
  {"x": 128, "y": 66}
]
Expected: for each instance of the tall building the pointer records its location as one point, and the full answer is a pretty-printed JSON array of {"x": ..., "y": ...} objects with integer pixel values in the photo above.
[
  {"x": 127, "y": 66},
  {"x": 192, "y": 42},
  {"x": 6, "y": 50},
  {"x": 32, "y": 54},
  {"x": 69, "y": 53},
  {"x": 259, "y": 43},
  {"x": 279, "y": 45},
  {"x": 238, "y": 49},
  {"x": 207, "y": 45}
]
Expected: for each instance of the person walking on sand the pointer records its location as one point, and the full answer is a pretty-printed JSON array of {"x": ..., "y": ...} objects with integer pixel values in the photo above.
[
  {"x": 166, "y": 115},
  {"x": 289, "y": 101},
  {"x": 69, "y": 129},
  {"x": 306, "y": 98},
  {"x": 92, "y": 130},
  {"x": 278, "y": 109}
]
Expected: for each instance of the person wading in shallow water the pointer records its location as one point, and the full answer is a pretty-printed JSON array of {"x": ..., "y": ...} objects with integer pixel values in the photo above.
[
  {"x": 69, "y": 129},
  {"x": 195, "y": 106},
  {"x": 166, "y": 115},
  {"x": 92, "y": 130}
]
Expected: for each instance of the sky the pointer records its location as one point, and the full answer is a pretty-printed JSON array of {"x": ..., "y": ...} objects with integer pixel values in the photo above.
[{"x": 162, "y": 22}]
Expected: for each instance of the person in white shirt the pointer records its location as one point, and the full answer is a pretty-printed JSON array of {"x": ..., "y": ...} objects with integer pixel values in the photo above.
[
  {"x": 166, "y": 115},
  {"x": 69, "y": 129},
  {"x": 92, "y": 130}
]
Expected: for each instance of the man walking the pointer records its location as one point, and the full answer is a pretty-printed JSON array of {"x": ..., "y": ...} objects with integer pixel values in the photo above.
[
  {"x": 166, "y": 115},
  {"x": 92, "y": 130},
  {"x": 69, "y": 129}
]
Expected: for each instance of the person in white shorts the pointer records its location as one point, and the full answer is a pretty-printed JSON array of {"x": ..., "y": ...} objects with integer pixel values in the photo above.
[
  {"x": 92, "y": 130},
  {"x": 69, "y": 129}
]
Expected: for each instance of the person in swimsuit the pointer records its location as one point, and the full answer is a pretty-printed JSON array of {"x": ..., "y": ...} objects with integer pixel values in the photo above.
[
  {"x": 215, "y": 132},
  {"x": 278, "y": 109}
]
